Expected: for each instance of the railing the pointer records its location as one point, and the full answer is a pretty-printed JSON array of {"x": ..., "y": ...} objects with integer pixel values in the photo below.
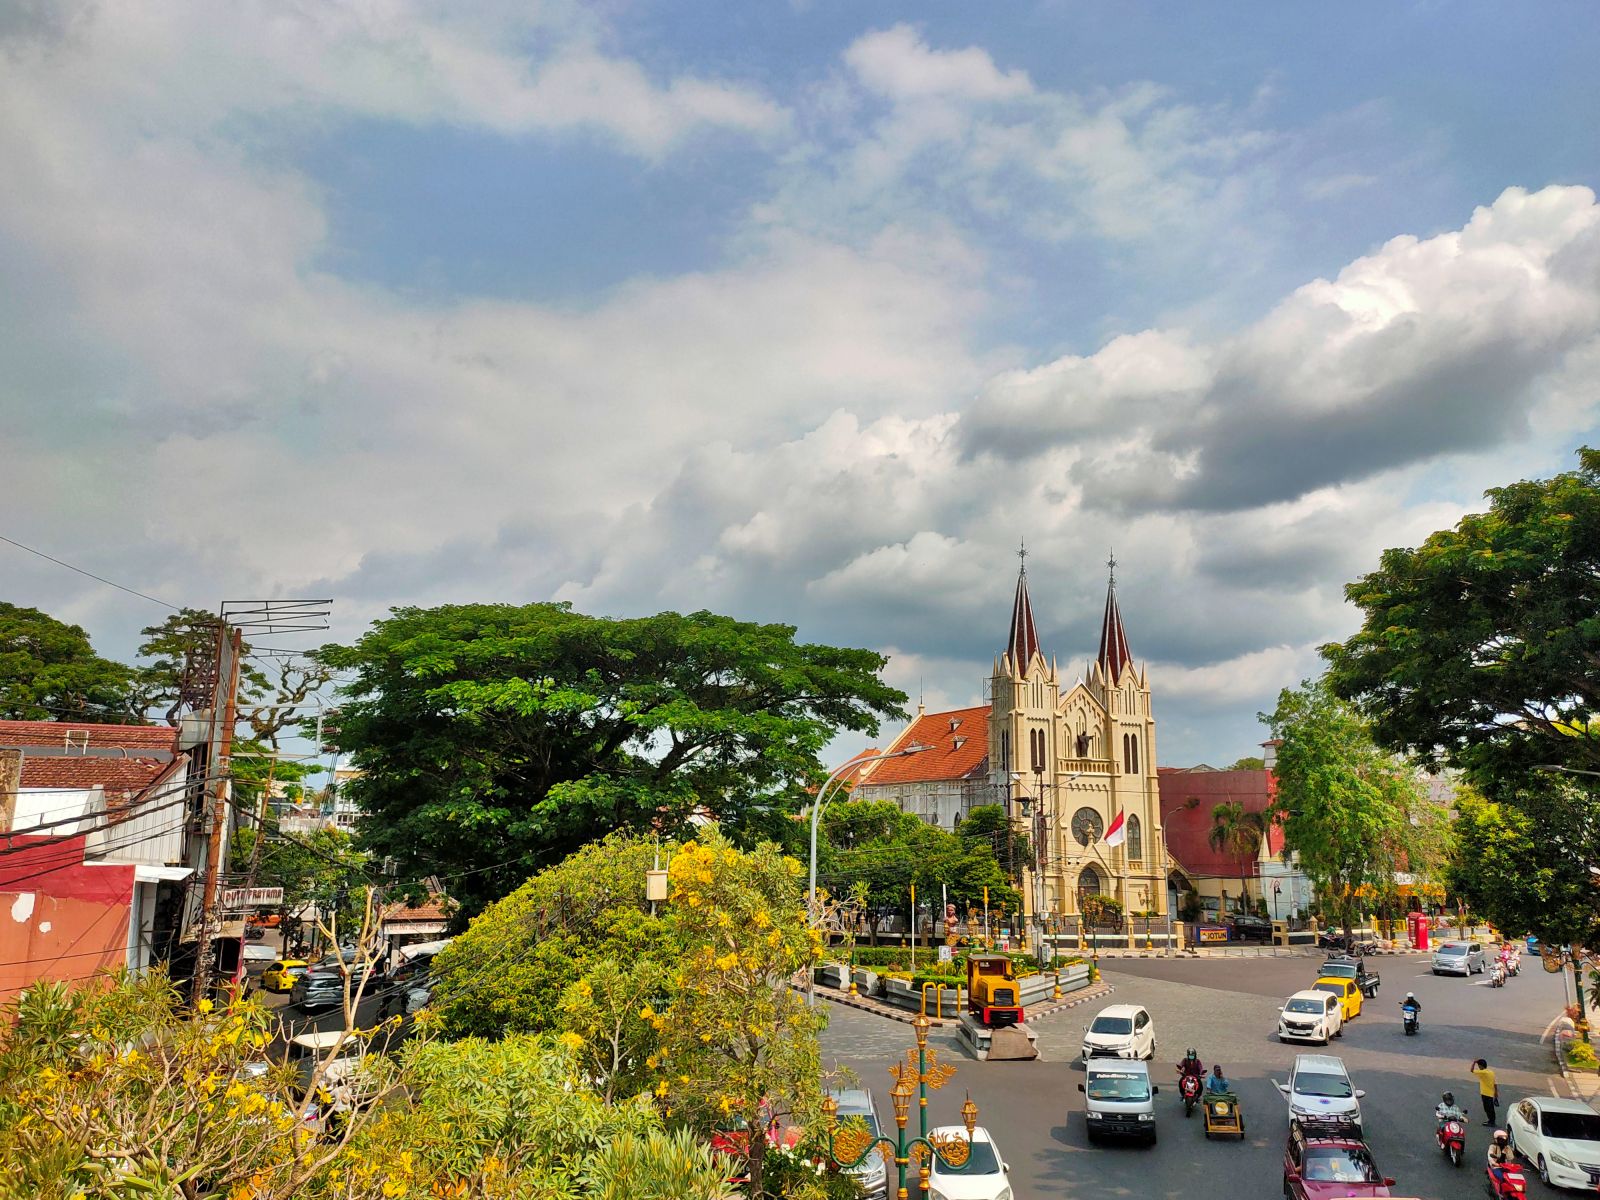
[{"x": 1086, "y": 766}]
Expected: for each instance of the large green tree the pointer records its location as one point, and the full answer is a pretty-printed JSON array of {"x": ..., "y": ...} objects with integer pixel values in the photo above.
[
  {"x": 1345, "y": 803},
  {"x": 1483, "y": 644},
  {"x": 492, "y": 734},
  {"x": 1236, "y": 831},
  {"x": 1526, "y": 865},
  {"x": 50, "y": 672}
]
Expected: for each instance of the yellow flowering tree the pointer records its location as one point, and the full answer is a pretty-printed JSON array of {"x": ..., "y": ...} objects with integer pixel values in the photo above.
[{"x": 739, "y": 1051}]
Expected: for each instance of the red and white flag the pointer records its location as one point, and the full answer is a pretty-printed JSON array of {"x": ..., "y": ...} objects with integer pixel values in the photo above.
[{"x": 1116, "y": 833}]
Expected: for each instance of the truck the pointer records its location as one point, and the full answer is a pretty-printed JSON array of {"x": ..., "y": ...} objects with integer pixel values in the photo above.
[{"x": 1342, "y": 966}]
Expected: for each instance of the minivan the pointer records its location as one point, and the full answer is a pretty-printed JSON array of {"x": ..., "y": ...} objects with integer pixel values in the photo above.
[
  {"x": 1319, "y": 1086},
  {"x": 1120, "y": 1031},
  {"x": 856, "y": 1103},
  {"x": 1119, "y": 1099},
  {"x": 1459, "y": 958}
]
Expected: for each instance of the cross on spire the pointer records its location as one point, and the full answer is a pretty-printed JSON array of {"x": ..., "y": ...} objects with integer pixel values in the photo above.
[
  {"x": 1022, "y": 553},
  {"x": 1111, "y": 565}
]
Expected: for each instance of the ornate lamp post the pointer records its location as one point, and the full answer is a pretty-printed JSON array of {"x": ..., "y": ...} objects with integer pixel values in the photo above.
[{"x": 850, "y": 1148}]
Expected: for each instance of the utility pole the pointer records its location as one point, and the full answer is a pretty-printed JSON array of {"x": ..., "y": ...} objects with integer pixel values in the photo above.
[{"x": 224, "y": 712}]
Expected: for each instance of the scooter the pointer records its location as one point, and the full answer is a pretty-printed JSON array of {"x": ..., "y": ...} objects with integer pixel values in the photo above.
[
  {"x": 1189, "y": 1089},
  {"x": 1512, "y": 1185},
  {"x": 1514, "y": 964},
  {"x": 1497, "y": 974},
  {"x": 1410, "y": 1018},
  {"x": 1452, "y": 1140}
]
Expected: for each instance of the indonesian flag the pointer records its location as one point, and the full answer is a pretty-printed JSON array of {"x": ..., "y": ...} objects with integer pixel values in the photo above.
[{"x": 1116, "y": 833}]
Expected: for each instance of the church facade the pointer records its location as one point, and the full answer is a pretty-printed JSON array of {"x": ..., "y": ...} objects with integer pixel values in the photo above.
[{"x": 1067, "y": 761}]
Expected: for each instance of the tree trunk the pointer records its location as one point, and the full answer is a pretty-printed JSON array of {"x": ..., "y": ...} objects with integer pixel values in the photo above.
[{"x": 756, "y": 1163}]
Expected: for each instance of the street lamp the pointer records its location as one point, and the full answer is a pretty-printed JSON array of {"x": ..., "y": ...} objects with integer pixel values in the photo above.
[
  {"x": 816, "y": 817},
  {"x": 850, "y": 1148}
]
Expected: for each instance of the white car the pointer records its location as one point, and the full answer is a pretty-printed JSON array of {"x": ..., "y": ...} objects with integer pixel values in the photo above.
[
  {"x": 982, "y": 1177},
  {"x": 1561, "y": 1138},
  {"x": 857, "y": 1103},
  {"x": 1311, "y": 1016},
  {"x": 1459, "y": 958},
  {"x": 1319, "y": 1086},
  {"x": 1121, "y": 1031}
]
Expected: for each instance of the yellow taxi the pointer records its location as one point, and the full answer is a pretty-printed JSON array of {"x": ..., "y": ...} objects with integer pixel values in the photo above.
[
  {"x": 281, "y": 975},
  {"x": 1347, "y": 990}
]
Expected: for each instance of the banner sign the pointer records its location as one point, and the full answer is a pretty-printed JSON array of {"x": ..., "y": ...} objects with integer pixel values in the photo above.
[
  {"x": 234, "y": 899},
  {"x": 1213, "y": 933}
]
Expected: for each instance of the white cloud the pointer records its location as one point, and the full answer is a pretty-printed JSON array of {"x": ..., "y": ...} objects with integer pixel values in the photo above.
[{"x": 899, "y": 64}]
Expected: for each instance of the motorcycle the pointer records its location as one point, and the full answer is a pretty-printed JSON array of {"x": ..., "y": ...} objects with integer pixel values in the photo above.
[
  {"x": 1410, "y": 1018},
  {"x": 1497, "y": 975},
  {"x": 1189, "y": 1089},
  {"x": 1514, "y": 964},
  {"x": 1452, "y": 1140},
  {"x": 1511, "y": 1185}
]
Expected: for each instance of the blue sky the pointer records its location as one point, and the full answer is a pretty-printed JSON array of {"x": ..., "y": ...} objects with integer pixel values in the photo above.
[{"x": 804, "y": 312}]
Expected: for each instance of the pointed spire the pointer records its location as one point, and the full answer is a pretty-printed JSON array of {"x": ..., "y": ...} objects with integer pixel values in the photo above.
[
  {"x": 1024, "y": 643},
  {"x": 1114, "y": 652}
]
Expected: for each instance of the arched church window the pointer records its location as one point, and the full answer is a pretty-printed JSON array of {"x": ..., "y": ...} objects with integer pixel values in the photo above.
[
  {"x": 1088, "y": 885},
  {"x": 1127, "y": 762},
  {"x": 1005, "y": 750},
  {"x": 1135, "y": 839},
  {"x": 1133, "y": 749}
]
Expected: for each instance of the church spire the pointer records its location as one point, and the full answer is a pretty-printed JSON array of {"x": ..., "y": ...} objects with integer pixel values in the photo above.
[
  {"x": 1024, "y": 643},
  {"x": 1114, "y": 652}
]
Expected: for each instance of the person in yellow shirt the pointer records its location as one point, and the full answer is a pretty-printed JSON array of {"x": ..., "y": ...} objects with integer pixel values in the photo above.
[{"x": 1488, "y": 1089}]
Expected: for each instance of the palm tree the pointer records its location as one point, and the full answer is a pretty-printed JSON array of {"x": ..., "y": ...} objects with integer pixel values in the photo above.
[{"x": 1237, "y": 831}]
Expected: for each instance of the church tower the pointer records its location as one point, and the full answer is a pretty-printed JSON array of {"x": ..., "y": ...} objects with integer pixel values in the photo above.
[{"x": 1023, "y": 692}]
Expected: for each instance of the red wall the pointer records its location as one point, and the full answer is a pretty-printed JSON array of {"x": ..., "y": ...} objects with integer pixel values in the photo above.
[
  {"x": 59, "y": 919},
  {"x": 1189, "y": 827}
]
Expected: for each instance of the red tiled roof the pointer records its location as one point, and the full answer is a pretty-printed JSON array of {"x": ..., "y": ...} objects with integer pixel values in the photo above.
[
  {"x": 113, "y": 774},
  {"x": 439, "y": 908},
  {"x": 71, "y": 735},
  {"x": 1188, "y": 825},
  {"x": 858, "y": 764},
  {"x": 958, "y": 752}
]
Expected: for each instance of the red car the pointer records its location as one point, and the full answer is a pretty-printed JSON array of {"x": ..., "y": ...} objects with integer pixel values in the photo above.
[{"x": 1324, "y": 1160}]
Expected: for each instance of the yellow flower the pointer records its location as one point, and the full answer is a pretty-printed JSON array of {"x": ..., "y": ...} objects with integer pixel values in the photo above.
[
  {"x": 762, "y": 920},
  {"x": 572, "y": 1041},
  {"x": 646, "y": 1013},
  {"x": 204, "y": 1006},
  {"x": 661, "y": 1088},
  {"x": 652, "y": 1062}
]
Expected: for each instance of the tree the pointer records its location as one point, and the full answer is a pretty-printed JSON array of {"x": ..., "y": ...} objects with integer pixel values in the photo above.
[
  {"x": 1343, "y": 802},
  {"x": 1250, "y": 762},
  {"x": 1237, "y": 832},
  {"x": 502, "y": 736},
  {"x": 988, "y": 825},
  {"x": 50, "y": 672},
  {"x": 739, "y": 1046},
  {"x": 1483, "y": 644},
  {"x": 322, "y": 866},
  {"x": 1525, "y": 866}
]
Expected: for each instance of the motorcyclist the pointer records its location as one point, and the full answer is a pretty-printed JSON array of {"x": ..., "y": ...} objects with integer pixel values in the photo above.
[
  {"x": 1448, "y": 1110},
  {"x": 1191, "y": 1065},
  {"x": 1217, "y": 1083},
  {"x": 1499, "y": 1156},
  {"x": 1411, "y": 1001}
]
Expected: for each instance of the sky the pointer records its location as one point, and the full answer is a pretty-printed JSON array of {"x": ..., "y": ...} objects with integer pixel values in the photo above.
[{"x": 805, "y": 312}]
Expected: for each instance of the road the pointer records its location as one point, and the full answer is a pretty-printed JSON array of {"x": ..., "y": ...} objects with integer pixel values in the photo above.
[{"x": 1227, "y": 1009}]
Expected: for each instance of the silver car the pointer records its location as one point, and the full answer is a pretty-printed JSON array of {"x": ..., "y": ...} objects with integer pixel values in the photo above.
[
  {"x": 855, "y": 1104},
  {"x": 1459, "y": 958}
]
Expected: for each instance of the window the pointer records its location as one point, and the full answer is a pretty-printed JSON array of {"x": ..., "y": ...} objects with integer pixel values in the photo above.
[
  {"x": 1135, "y": 839},
  {"x": 1133, "y": 747},
  {"x": 1036, "y": 750},
  {"x": 1127, "y": 762},
  {"x": 1088, "y": 884},
  {"x": 1005, "y": 750}
]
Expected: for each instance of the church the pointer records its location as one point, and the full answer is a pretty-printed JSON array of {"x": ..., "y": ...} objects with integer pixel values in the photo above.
[{"x": 1069, "y": 763}]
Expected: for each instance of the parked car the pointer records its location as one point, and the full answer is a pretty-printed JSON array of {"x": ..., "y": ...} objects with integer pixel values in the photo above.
[
  {"x": 983, "y": 1176},
  {"x": 1459, "y": 958},
  {"x": 1311, "y": 1016},
  {"x": 1319, "y": 1086},
  {"x": 324, "y": 986},
  {"x": 1248, "y": 926},
  {"x": 282, "y": 974},
  {"x": 1561, "y": 1138},
  {"x": 1324, "y": 1159},
  {"x": 1342, "y": 966},
  {"x": 1120, "y": 1031},
  {"x": 1348, "y": 992},
  {"x": 855, "y": 1105}
]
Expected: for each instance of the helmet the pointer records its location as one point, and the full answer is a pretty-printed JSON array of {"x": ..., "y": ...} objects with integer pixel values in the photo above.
[
  {"x": 1411, "y": 995},
  {"x": 1448, "y": 1097},
  {"x": 1191, "y": 1053},
  {"x": 1500, "y": 1138}
]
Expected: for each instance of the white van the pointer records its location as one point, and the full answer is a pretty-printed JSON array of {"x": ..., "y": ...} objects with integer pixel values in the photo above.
[{"x": 1119, "y": 1099}]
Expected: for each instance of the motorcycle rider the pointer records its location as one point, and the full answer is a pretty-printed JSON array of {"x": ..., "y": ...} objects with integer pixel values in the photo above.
[
  {"x": 1448, "y": 1110},
  {"x": 1191, "y": 1065},
  {"x": 1217, "y": 1083},
  {"x": 1500, "y": 1157}
]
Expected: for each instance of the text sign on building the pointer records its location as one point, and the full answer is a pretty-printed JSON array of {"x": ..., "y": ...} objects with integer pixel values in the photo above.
[
  {"x": 1213, "y": 933},
  {"x": 234, "y": 899}
]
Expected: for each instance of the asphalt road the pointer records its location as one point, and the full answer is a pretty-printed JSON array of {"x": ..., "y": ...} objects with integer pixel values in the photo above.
[{"x": 1227, "y": 1009}]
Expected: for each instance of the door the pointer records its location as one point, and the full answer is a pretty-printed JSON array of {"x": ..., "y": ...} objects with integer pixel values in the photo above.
[
  {"x": 1334, "y": 1018},
  {"x": 1352, "y": 997},
  {"x": 1144, "y": 1040}
]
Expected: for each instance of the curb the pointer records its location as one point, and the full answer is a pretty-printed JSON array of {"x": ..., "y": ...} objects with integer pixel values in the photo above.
[{"x": 1569, "y": 1076}]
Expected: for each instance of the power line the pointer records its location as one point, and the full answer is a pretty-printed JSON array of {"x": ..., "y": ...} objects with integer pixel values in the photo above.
[{"x": 89, "y": 574}]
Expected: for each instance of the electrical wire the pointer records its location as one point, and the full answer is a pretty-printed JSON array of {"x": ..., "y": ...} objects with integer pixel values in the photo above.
[
  {"x": 89, "y": 574},
  {"x": 181, "y": 788},
  {"x": 74, "y": 860}
]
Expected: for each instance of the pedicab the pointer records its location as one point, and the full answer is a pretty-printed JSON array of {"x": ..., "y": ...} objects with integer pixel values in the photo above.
[{"x": 1224, "y": 1118}]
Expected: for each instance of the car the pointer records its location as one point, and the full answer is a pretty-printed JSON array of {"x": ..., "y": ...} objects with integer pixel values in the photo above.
[
  {"x": 324, "y": 986},
  {"x": 1119, "y": 1100},
  {"x": 1459, "y": 958},
  {"x": 983, "y": 1176},
  {"x": 1311, "y": 1016},
  {"x": 1319, "y": 1086},
  {"x": 734, "y": 1142},
  {"x": 856, "y": 1106},
  {"x": 1342, "y": 966},
  {"x": 1348, "y": 992},
  {"x": 1561, "y": 1138},
  {"x": 282, "y": 975},
  {"x": 1242, "y": 926},
  {"x": 1120, "y": 1031},
  {"x": 1324, "y": 1159}
]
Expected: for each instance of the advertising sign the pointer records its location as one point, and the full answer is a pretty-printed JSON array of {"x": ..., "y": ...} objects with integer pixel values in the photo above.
[
  {"x": 235, "y": 899},
  {"x": 1213, "y": 933}
]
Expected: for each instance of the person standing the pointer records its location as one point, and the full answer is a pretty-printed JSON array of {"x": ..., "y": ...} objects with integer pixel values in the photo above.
[{"x": 1488, "y": 1089}]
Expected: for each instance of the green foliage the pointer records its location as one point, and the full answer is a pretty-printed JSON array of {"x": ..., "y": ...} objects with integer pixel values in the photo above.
[
  {"x": 1581, "y": 1057},
  {"x": 493, "y": 734},
  {"x": 1344, "y": 803},
  {"x": 1250, "y": 762},
  {"x": 1484, "y": 642},
  {"x": 1237, "y": 832},
  {"x": 657, "y": 1166},
  {"x": 323, "y": 865},
  {"x": 1189, "y": 907},
  {"x": 49, "y": 672},
  {"x": 873, "y": 844},
  {"x": 1101, "y": 910},
  {"x": 1525, "y": 865},
  {"x": 988, "y": 825}
]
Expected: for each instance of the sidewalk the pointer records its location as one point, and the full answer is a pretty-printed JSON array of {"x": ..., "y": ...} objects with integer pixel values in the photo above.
[{"x": 1582, "y": 1085}]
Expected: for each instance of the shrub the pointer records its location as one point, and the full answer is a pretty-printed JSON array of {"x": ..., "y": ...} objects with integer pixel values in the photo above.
[{"x": 1581, "y": 1056}]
